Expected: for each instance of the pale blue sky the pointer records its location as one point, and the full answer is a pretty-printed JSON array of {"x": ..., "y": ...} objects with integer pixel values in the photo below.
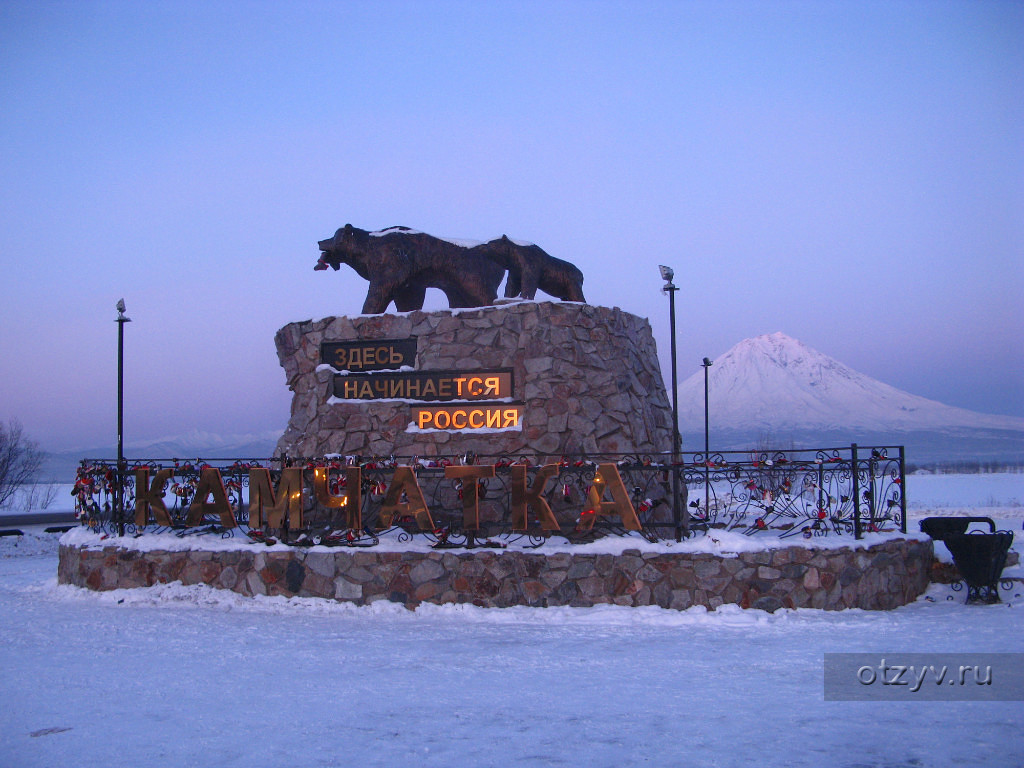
[{"x": 849, "y": 173}]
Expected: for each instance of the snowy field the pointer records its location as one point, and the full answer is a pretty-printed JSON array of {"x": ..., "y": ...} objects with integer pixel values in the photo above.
[
  {"x": 998, "y": 490},
  {"x": 175, "y": 676}
]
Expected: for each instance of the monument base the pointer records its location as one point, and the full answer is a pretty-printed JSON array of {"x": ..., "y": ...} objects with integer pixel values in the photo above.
[
  {"x": 582, "y": 379},
  {"x": 882, "y": 574}
]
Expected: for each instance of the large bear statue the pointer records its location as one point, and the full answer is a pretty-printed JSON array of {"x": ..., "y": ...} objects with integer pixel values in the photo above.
[{"x": 401, "y": 263}]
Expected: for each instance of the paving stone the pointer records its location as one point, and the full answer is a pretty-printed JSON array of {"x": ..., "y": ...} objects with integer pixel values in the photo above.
[{"x": 347, "y": 590}]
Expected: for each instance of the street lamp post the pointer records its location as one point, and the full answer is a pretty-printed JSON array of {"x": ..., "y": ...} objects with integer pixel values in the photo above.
[
  {"x": 119, "y": 499},
  {"x": 670, "y": 288},
  {"x": 706, "y": 364}
]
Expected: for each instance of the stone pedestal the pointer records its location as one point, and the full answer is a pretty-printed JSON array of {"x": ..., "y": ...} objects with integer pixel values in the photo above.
[
  {"x": 883, "y": 576},
  {"x": 588, "y": 378}
]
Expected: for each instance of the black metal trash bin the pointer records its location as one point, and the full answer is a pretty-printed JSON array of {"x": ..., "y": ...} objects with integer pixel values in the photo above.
[{"x": 980, "y": 557}]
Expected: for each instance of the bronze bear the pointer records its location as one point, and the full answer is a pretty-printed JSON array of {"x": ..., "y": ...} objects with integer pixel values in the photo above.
[
  {"x": 530, "y": 267},
  {"x": 401, "y": 264}
]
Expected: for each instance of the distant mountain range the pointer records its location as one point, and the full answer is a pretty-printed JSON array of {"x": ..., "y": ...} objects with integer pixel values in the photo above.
[
  {"x": 775, "y": 391},
  {"x": 192, "y": 445}
]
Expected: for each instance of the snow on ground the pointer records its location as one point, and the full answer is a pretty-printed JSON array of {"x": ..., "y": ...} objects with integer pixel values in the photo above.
[
  {"x": 177, "y": 675},
  {"x": 999, "y": 492}
]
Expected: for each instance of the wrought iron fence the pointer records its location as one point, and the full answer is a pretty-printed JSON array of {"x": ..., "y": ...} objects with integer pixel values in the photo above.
[
  {"x": 353, "y": 501},
  {"x": 808, "y": 492}
]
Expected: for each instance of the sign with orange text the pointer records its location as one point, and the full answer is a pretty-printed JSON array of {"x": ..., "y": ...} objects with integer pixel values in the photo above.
[
  {"x": 436, "y": 386},
  {"x": 503, "y": 416}
]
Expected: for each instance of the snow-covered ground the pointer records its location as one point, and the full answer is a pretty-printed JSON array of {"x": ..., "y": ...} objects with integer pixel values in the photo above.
[
  {"x": 177, "y": 675},
  {"x": 995, "y": 491}
]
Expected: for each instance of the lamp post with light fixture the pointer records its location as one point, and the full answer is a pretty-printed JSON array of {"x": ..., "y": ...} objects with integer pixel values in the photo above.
[
  {"x": 681, "y": 520},
  {"x": 119, "y": 499},
  {"x": 706, "y": 364}
]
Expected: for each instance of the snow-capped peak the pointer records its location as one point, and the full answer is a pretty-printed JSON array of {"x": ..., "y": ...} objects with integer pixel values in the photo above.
[{"x": 775, "y": 382}]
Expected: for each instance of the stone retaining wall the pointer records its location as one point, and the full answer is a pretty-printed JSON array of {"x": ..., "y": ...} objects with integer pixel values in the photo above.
[{"x": 883, "y": 576}]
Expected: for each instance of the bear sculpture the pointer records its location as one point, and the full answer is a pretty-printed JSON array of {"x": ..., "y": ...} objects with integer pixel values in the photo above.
[
  {"x": 530, "y": 267},
  {"x": 401, "y": 263}
]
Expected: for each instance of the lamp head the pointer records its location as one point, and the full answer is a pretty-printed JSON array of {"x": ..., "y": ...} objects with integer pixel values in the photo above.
[
  {"x": 707, "y": 363},
  {"x": 666, "y": 273}
]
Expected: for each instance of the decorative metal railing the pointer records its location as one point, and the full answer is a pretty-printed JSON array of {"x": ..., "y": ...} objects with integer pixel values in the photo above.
[
  {"x": 351, "y": 501},
  {"x": 809, "y": 492}
]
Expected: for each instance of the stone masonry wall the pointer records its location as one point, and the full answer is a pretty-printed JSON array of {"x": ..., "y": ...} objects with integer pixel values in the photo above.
[
  {"x": 589, "y": 377},
  {"x": 882, "y": 576}
]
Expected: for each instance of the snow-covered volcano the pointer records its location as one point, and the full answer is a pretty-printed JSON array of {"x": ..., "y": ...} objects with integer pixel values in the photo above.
[{"x": 775, "y": 386}]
